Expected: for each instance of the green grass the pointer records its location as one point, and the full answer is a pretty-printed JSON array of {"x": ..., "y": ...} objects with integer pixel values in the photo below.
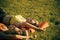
[{"x": 41, "y": 10}]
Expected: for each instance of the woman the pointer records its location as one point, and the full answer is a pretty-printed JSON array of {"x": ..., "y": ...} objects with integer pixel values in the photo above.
[{"x": 5, "y": 33}]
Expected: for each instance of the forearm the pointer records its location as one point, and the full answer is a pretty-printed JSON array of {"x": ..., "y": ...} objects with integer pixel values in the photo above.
[
  {"x": 31, "y": 26},
  {"x": 19, "y": 36}
]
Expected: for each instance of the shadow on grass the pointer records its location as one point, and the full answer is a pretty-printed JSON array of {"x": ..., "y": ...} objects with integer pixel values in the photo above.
[
  {"x": 2, "y": 14},
  {"x": 57, "y": 36},
  {"x": 57, "y": 22}
]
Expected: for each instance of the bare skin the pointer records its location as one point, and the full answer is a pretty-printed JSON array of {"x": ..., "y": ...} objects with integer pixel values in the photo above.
[{"x": 11, "y": 36}]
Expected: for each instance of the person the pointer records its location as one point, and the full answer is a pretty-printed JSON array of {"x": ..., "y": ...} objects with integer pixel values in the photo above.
[
  {"x": 6, "y": 32},
  {"x": 20, "y": 21}
]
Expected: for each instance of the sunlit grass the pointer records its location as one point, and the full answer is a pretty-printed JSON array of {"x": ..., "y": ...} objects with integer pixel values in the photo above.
[{"x": 41, "y": 10}]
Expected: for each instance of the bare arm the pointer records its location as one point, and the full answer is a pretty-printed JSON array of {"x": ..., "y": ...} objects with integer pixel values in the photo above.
[{"x": 26, "y": 24}]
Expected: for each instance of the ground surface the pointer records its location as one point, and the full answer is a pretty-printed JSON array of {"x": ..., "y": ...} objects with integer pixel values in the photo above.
[{"x": 41, "y": 10}]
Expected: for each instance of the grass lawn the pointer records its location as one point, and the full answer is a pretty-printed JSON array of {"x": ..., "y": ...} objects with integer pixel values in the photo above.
[{"x": 41, "y": 10}]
